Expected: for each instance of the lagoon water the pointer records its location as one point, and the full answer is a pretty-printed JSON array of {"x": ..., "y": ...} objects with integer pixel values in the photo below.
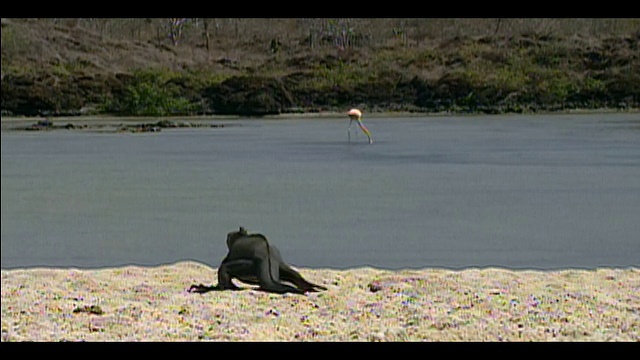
[{"x": 513, "y": 191}]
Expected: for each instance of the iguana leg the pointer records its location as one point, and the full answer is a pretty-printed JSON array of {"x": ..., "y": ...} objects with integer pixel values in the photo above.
[
  {"x": 268, "y": 281},
  {"x": 294, "y": 277},
  {"x": 201, "y": 289},
  {"x": 228, "y": 268}
]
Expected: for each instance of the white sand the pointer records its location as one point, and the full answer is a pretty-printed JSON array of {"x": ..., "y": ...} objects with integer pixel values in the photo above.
[{"x": 152, "y": 304}]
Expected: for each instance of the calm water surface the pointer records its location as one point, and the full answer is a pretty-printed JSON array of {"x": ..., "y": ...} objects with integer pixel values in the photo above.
[{"x": 543, "y": 192}]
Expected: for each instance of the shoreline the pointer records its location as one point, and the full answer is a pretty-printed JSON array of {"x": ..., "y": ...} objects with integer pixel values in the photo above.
[
  {"x": 111, "y": 123},
  {"x": 136, "y": 303},
  {"x": 331, "y": 269},
  {"x": 320, "y": 114}
]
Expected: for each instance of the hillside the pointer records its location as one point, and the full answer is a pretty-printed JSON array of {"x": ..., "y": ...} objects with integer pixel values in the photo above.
[{"x": 54, "y": 68}]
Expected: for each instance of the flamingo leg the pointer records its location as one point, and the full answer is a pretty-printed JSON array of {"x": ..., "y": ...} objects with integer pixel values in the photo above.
[{"x": 366, "y": 131}]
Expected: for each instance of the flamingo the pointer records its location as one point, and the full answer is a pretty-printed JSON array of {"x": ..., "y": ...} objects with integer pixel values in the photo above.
[{"x": 355, "y": 114}]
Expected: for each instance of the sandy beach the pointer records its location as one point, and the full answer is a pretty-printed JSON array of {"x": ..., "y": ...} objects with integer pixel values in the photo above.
[{"x": 135, "y": 303}]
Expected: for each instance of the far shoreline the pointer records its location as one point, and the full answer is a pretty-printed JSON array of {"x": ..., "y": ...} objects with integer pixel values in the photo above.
[{"x": 18, "y": 123}]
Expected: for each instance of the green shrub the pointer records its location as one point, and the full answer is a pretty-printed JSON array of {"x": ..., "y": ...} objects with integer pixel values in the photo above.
[
  {"x": 150, "y": 99},
  {"x": 150, "y": 94}
]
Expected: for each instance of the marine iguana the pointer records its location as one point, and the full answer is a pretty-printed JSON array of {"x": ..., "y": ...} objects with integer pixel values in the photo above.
[{"x": 253, "y": 260}]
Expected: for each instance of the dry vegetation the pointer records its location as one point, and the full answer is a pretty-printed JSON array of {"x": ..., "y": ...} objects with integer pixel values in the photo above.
[{"x": 162, "y": 66}]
